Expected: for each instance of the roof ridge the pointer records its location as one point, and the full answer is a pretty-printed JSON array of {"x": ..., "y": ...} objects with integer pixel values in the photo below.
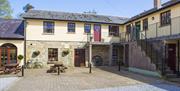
[{"x": 78, "y": 13}]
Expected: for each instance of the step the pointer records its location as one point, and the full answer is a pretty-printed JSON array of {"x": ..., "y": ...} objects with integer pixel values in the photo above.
[
  {"x": 177, "y": 80},
  {"x": 171, "y": 75},
  {"x": 169, "y": 71}
]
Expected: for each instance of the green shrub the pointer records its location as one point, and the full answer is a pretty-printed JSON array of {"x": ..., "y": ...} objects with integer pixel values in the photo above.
[{"x": 20, "y": 57}]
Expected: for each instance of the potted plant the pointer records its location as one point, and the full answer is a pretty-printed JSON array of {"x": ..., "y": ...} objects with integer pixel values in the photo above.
[{"x": 20, "y": 57}]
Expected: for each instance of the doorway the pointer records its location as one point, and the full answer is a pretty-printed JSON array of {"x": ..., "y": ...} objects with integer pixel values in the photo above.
[
  {"x": 171, "y": 59},
  {"x": 79, "y": 58},
  {"x": 97, "y": 32},
  {"x": 138, "y": 29}
]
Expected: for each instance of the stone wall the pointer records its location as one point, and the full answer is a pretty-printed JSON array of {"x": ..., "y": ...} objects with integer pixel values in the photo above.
[
  {"x": 138, "y": 58},
  {"x": 43, "y": 46},
  {"x": 102, "y": 51}
]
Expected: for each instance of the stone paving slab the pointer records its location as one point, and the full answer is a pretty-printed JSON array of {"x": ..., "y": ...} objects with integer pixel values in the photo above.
[
  {"x": 142, "y": 87},
  {"x": 78, "y": 79},
  {"x": 5, "y": 83}
]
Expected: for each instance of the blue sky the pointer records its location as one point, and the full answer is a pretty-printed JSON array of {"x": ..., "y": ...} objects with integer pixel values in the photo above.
[{"x": 125, "y": 8}]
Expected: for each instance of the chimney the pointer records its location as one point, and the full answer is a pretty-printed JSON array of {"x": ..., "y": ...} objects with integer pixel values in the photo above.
[{"x": 157, "y": 4}]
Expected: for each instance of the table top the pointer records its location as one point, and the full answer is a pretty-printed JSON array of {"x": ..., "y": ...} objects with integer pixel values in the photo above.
[
  {"x": 55, "y": 62},
  {"x": 11, "y": 65}
]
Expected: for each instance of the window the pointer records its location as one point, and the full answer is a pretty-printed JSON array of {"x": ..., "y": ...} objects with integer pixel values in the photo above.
[
  {"x": 113, "y": 30},
  {"x": 52, "y": 54},
  {"x": 87, "y": 28},
  {"x": 8, "y": 54},
  {"x": 128, "y": 28},
  {"x": 145, "y": 24},
  {"x": 165, "y": 18},
  {"x": 71, "y": 27},
  {"x": 48, "y": 27}
]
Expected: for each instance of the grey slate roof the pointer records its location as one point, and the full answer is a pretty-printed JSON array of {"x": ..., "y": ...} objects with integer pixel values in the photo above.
[
  {"x": 11, "y": 29},
  {"x": 54, "y": 15},
  {"x": 165, "y": 5}
]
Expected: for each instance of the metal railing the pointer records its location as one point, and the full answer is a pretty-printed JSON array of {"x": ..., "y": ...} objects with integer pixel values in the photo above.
[{"x": 155, "y": 30}]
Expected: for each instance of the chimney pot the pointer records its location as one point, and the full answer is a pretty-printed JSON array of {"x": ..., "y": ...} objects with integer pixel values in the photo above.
[{"x": 157, "y": 3}]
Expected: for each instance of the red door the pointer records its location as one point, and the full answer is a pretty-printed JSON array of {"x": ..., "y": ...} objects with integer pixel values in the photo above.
[
  {"x": 79, "y": 58},
  {"x": 97, "y": 32},
  {"x": 172, "y": 56}
]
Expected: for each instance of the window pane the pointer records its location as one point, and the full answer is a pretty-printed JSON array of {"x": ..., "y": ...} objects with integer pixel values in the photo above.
[
  {"x": 48, "y": 27},
  {"x": 166, "y": 18},
  {"x": 71, "y": 27},
  {"x": 145, "y": 24},
  {"x": 52, "y": 54},
  {"x": 87, "y": 28},
  {"x": 113, "y": 30}
]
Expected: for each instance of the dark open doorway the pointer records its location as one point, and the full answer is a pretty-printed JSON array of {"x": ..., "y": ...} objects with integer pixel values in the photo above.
[{"x": 171, "y": 57}]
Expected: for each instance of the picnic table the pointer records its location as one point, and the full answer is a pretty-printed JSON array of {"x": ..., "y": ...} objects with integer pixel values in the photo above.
[
  {"x": 57, "y": 67},
  {"x": 9, "y": 68}
]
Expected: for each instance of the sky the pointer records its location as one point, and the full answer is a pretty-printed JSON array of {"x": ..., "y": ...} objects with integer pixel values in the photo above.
[{"x": 123, "y": 8}]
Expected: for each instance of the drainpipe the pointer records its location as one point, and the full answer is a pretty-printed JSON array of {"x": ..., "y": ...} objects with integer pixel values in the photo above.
[{"x": 25, "y": 25}]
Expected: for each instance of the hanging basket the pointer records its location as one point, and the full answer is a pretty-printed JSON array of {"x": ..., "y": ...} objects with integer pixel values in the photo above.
[{"x": 65, "y": 52}]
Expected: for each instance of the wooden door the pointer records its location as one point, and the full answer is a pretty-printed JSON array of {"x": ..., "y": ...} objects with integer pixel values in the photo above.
[
  {"x": 97, "y": 32},
  {"x": 79, "y": 58},
  {"x": 172, "y": 56}
]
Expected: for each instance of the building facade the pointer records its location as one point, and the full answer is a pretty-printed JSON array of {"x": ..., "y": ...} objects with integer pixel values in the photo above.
[
  {"x": 66, "y": 38},
  {"x": 153, "y": 39},
  {"x": 11, "y": 41},
  {"x": 147, "y": 43}
]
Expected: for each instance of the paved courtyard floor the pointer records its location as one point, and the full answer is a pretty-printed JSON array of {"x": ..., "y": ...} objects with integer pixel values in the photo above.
[{"x": 78, "y": 79}]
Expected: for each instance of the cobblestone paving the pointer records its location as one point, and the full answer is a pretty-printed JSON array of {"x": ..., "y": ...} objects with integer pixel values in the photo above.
[{"x": 79, "y": 79}]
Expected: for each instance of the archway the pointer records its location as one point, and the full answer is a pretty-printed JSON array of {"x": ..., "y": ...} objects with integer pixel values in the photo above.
[{"x": 8, "y": 54}]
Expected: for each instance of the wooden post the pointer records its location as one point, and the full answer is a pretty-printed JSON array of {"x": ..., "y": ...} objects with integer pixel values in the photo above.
[
  {"x": 22, "y": 69},
  {"x": 90, "y": 68},
  {"x": 90, "y": 55},
  {"x": 58, "y": 70}
]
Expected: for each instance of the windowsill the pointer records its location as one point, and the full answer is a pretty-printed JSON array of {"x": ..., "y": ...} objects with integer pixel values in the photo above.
[
  {"x": 70, "y": 32},
  {"x": 47, "y": 33},
  {"x": 144, "y": 30},
  {"x": 87, "y": 33},
  {"x": 113, "y": 36},
  {"x": 165, "y": 25}
]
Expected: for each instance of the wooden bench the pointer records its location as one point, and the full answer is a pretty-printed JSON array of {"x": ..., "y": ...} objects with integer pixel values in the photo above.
[{"x": 58, "y": 66}]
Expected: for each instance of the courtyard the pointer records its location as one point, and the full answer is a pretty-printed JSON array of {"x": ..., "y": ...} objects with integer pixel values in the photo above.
[{"x": 78, "y": 79}]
